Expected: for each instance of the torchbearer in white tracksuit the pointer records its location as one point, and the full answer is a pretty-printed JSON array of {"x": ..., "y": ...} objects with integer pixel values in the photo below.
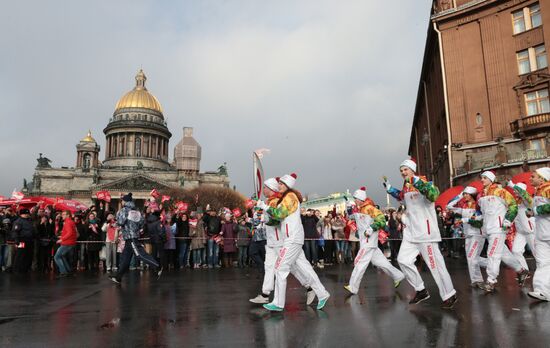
[
  {"x": 421, "y": 235},
  {"x": 499, "y": 209},
  {"x": 540, "y": 179},
  {"x": 525, "y": 225},
  {"x": 369, "y": 221},
  {"x": 291, "y": 254},
  {"x": 275, "y": 239},
  {"x": 465, "y": 206}
]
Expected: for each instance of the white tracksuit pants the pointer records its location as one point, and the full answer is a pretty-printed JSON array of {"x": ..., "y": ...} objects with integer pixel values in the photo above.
[
  {"x": 362, "y": 260},
  {"x": 432, "y": 256},
  {"x": 474, "y": 246},
  {"x": 271, "y": 254},
  {"x": 498, "y": 252},
  {"x": 291, "y": 255},
  {"x": 541, "y": 279},
  {"x": 518, "y": 248}
]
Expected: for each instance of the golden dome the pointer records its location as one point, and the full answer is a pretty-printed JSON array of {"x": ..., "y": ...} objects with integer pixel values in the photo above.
[
  {"x": 139, "y": 97},
  {"x": 88, "y": 138}
]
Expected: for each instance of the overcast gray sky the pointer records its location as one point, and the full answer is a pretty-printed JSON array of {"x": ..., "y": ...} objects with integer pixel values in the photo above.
[{"x": 328, "y": 86}]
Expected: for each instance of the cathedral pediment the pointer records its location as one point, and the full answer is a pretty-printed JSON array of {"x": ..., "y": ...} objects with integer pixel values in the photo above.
[{"x": 134, "y": 182}]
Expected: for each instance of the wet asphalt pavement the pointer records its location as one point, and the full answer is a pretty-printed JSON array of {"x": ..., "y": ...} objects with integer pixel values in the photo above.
[{"x": 210, "y": 308}]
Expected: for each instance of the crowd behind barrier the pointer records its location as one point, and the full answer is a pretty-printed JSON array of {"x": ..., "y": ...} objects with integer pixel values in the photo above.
[{"x": 212, "y": 239}]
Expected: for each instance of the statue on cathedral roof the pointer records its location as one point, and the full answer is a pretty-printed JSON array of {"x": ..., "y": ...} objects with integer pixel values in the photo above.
[{"x": 43, "y": 162}]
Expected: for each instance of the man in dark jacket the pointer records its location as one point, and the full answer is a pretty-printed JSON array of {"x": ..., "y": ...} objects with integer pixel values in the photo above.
[
  {"x": 213, "y": 225},
  {"x": 131, "y": 223},
  {"x": 157, "y": 235},
  {"x": 25, "y": 233},
  {"x": 182, "y": 224},
  {"x": 309, "y": 221}
]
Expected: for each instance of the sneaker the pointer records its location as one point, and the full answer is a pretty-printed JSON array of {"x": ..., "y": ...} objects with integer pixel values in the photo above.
[
  {"x": 538, "y": 296},
  {"x": 348, "y": 288},
  {"x": 260, "y": 299},
  {"x": 478, "y": 285},
  {"x": 449, "y": 303},
  {"x": 420, "y": 296},
  {"x": 159, "y": 273},
  {"x": 321, "y": 265},
  {"x": 321, "y": 304},
  {"x": 489, "y": 287},
  {"x": 114, "y": 280},
  {"x": 396, "y": 283},
  {"x": 62, "y": 275},
  {"x": 271, "y": 307},
  {"x": 310, "y": 296},
  {"x": 522, "y": 277}
]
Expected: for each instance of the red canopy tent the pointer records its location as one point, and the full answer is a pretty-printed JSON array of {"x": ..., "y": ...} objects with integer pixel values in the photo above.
[
  {"x": 58, "y": 204},
  {"x": 445, "y": 197}
]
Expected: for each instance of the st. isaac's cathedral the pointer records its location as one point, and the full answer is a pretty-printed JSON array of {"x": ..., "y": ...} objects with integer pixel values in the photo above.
[{"x": 135, "y": 160}]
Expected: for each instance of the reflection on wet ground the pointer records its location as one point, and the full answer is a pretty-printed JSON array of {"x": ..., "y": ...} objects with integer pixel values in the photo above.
[{"x": 210, "y": 308}]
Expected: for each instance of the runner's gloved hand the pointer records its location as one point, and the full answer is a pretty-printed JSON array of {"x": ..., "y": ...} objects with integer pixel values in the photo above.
[
  {"x": 349, "y": 208},
  {"x": 261, "y": 205},
  {"x": 386, "y": 183},
  {"x": 506, "y": 225}
]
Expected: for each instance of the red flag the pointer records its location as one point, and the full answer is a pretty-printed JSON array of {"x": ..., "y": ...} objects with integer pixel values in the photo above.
[
  {"x": 165, "y": 198},
  {"x": 249, "y": 204},
  {"x": 182, "y": 206},
  {"x": 17, "y": 195},
  {"x": 154, "y": 193},
  {"x": 237, "y": 212},
  {"x": 103, "y": 196}
]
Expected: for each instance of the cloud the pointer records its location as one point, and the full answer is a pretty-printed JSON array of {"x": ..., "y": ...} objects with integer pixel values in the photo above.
[{"x": 328, "y": 86}]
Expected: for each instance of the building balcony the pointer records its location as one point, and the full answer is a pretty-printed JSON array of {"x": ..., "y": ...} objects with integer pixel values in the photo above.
[
  {"x": 513, "y": 158},
  {"x": 529, "y": 124}
]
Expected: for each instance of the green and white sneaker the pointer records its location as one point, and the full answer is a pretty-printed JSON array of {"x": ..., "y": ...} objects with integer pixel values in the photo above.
[
  {"x": 322, "y": 303},
  {"x": 271, "y": 307}
]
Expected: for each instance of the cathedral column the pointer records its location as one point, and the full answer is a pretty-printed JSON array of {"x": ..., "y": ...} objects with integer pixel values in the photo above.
[{"x": 150, "y": 150}]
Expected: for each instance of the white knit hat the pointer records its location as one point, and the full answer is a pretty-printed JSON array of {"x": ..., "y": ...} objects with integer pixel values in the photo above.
[
  {"x": 409, "y": 163},
  {"x": 289, "y": 180},
  {"x": 544, "y": 172},
  {"x": 361, "y": 194},
  {"x": 489, "y": 174},
  {"x": 522, "y": 186},
  {"x": 272, "y": 184},
  {"x": 470, "y": 190}
]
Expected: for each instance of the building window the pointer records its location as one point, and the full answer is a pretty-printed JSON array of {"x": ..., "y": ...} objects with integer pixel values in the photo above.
[
  {"x": 537, "y": 144},
  {"x": 537, "y": 102},
  {"x": 87, "y": 160},
  {"x": 532, "y": 59},
  {"x": 138, "y": 147},
  {"x": 519, "y": 21},
  {"x": 122, "y": 146},
  {"x": 527, "y": 18},
  {"x": 523, "y": 62},
  {"x": 534, "y": 14},
  {"x": 540, "y": 57}
]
